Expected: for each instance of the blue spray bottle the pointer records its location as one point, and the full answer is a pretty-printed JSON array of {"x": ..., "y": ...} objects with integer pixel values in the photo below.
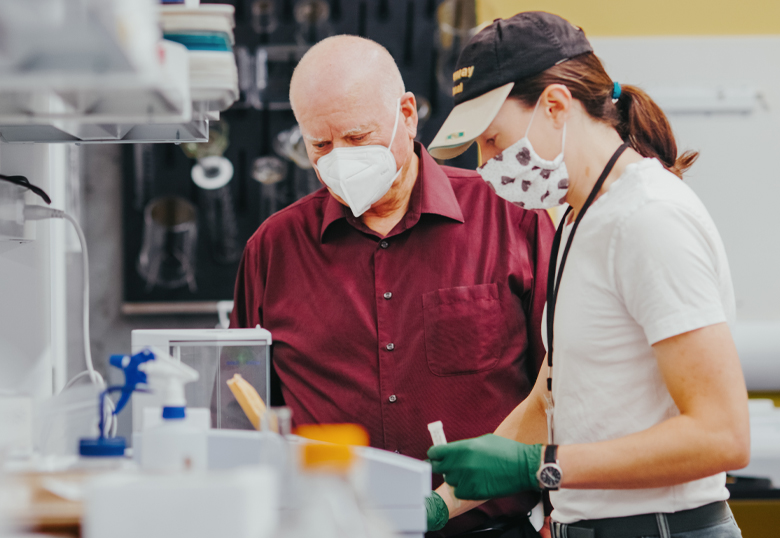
[{"x": 115, "y": 446}]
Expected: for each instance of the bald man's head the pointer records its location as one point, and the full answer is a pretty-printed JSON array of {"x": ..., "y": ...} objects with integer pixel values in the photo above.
[
  {"x": 346, "y": 93},
  {"x": 349, "y": 66}
]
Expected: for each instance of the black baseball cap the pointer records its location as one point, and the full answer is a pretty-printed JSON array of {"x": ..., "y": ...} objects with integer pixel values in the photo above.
[{"x": 493, "y": 60}]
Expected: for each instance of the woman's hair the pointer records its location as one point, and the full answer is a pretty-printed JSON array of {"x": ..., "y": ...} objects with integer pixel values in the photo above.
[{"x": 635, "y": 116}]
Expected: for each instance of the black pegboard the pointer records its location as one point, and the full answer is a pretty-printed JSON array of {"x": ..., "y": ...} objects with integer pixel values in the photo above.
[{"x": 407, "y": 28}]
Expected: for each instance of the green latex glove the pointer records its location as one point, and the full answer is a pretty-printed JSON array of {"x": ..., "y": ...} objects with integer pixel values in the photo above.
[
  {"x": 487, "y": 467},
  {"x": 438, "y": 513}
]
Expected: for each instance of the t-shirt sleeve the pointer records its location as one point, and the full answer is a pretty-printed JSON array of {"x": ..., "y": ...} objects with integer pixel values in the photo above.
[{"x": 665, "y": 269}]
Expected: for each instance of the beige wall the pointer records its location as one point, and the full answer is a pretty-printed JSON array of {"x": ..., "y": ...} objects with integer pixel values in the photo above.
[{"x": 650, "y": 17}]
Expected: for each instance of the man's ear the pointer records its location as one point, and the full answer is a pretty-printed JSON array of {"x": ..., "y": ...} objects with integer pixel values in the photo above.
[
  {"x": 556, "y": 102},
  {"x": 409, "y": 114}
]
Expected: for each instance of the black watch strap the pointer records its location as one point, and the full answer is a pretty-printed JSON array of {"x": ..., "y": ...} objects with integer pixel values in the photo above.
[{"x": 551, "y": 454}]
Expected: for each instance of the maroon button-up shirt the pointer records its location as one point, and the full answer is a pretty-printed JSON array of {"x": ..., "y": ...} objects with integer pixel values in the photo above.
[{"x": 439, "y": 320}]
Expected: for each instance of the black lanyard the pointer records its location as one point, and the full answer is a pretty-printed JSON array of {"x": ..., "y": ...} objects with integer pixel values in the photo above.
[{"x": 553, "y": 280}]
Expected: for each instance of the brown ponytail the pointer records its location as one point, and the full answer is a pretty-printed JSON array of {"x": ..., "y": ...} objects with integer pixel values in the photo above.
[{"x": 635, "y": 116}]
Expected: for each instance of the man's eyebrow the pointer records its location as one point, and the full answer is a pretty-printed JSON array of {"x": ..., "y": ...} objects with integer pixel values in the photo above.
[
  {"x": 314, "y": 140},
  {"x": 357, "y": 130},
  {"x": 349, "y": 132}
]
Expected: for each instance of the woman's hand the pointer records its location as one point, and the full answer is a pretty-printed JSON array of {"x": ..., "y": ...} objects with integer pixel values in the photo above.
[{"x": 487, "y": 467}]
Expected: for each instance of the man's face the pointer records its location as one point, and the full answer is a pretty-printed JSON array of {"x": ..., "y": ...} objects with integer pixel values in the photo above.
[{"x": 330, "y": 120}]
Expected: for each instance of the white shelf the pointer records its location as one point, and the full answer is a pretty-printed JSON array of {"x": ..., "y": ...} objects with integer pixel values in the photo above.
[
  {"x": 100, "y": 73},
  {"x": 50, "y": 37},
  {"x": 112, "y": 108},
  {"x": 40, "y": 99},
  {"x": 192, "y": 131}
]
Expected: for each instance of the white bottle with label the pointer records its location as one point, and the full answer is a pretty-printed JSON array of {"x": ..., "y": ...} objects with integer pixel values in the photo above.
[{"x": 175, "y": 444}]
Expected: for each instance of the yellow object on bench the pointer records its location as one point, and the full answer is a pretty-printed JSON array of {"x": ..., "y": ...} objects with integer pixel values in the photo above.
[{"x": 248, "y": 398}]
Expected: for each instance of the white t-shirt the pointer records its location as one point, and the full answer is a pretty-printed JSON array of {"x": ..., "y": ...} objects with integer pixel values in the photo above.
[{"x": 646, "y": 264}]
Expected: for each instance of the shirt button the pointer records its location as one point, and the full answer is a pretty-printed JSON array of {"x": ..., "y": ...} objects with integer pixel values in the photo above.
[
  {"x": 390, "y": 346},
  {"x": 392, "y": 398},
  {"x": 384, "y": 244},
  {"x": 388, "y": 295}
]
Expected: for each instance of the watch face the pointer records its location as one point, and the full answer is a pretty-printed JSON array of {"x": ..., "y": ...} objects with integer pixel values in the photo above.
[{"x": 550, "y": 476}]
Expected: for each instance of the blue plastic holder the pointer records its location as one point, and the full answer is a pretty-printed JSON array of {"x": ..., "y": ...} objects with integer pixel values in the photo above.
[
  {"x": 174, "y": 413},
  {"x": 102, "y": 447}
]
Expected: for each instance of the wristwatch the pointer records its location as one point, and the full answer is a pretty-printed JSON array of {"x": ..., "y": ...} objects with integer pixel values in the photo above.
[{"x": 549, "y": 474}]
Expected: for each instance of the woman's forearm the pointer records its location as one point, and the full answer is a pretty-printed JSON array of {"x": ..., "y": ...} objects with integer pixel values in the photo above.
[
  {"x": 455, "y": 506},
  {"x": 678, "y": 450},
  {"x": 701, "y": 370}
]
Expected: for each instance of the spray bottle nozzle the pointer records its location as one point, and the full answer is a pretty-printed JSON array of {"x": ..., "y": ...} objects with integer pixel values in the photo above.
[
  {"x": 133, "y": 375},
  {"x": 168, "y": 376}
]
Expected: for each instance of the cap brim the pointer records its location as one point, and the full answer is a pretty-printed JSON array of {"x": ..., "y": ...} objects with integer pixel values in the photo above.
[{"x": 467, "y": 121}]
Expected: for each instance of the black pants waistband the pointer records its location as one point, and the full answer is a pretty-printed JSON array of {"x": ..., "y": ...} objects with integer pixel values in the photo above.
[{"x": 646, "y": 524}]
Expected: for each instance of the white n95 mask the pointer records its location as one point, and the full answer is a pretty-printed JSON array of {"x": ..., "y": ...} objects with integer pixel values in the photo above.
[
  {"x": 360, "y": 175},
  {"x": 519, "y": 175}
]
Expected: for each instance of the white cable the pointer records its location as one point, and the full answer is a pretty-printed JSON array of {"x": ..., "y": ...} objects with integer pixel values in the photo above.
[
  {"x": 79, "y": 376},
  {"x": 37, "y": 212},
  {"x": 85, "y": 294}
]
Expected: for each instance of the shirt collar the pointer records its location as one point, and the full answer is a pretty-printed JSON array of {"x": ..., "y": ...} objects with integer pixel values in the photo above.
[
  {"x": 438, "y": 197},
  {"x": 432, "y": 194}
]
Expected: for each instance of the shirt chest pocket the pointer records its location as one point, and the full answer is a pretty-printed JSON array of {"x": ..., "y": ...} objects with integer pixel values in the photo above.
[{"x": 463, "y": 329}]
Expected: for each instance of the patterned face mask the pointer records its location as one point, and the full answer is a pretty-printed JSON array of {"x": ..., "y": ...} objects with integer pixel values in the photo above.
[{"x": 519, "y": 175}]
